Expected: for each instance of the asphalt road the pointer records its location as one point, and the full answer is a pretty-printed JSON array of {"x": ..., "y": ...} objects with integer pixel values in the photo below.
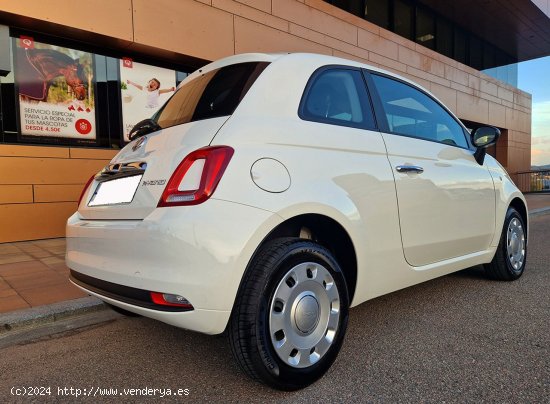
[{"x": 460, "y": 338}]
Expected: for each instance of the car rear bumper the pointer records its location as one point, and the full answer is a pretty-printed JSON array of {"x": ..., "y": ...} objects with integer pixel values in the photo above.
[{"x": 199, "y": 252}]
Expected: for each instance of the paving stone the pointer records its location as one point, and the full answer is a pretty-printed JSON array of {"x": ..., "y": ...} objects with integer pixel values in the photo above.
[
  {"x": 52, "y": 260},
  {"x": 51, "y": 294},
  {"x": 11, "y": 303},
  {"x": 35, "y": 280},
  {"x": 18, "y": 268},
  {"x": 12, "y": 258}
]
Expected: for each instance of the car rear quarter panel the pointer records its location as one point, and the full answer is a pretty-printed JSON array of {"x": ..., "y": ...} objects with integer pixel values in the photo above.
[{"x": 341, "y": 173}]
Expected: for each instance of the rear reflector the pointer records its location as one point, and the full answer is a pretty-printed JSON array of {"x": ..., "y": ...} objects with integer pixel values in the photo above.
[
  {"x": 196, "y": 177},
  {"x": 167, "y": 299},
  {"x": 85, "y": 188}
]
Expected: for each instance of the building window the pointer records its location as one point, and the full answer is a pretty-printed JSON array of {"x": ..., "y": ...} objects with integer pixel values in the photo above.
[
  {"x": 444, "y": 37},
  {"x": 378, "y": 12},
  {"x": 460, "y": 46},
  {"x": 414, "y": 21},
  {"x": 489, "y": 56},
  {"x": 425, "y": 28},
  {"x": 59, "y": 94},
  {"x": 476, "y": 53},
  {"x": 353, "y": 6},
  {"x": 403, "y": 19}
]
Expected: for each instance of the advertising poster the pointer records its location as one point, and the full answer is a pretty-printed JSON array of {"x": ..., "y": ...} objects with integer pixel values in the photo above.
[
  {"x": 56, "y": 92},
  {"x": 144, "y": 89}
]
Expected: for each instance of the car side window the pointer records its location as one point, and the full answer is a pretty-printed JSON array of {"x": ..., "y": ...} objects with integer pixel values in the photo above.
[
  {"x": 338, "y": 96},
  {"x": 410, "y": 112}
]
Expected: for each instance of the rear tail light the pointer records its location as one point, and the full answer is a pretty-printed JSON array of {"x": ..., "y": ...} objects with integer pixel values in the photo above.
[
  {"x": 168, "y": 299},
  {"x": 85, "y": 188},
  {"x": 197, "y": 176}
]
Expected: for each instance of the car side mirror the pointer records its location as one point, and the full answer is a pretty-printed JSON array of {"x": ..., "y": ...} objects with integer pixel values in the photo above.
[
  {"x": 143, "y": 128},
  {"x": 482, "y": 138}
]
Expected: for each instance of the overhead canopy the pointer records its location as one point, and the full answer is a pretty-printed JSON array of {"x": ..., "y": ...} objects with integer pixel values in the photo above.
[{"x": 519, "y": 27}]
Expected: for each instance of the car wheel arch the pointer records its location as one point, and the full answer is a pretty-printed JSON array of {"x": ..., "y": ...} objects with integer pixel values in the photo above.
[
  {"x": 324, "y": 230},
  {"x": 519, "y": 205}
]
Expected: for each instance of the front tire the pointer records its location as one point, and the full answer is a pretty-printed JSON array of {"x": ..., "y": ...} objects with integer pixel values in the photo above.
[
  {"x": 509, "y": 261},
  {"x": 291, "y": 314}
]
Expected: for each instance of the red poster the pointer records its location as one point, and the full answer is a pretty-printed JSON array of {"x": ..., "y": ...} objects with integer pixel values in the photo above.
[{"x": 56, "y": 92}]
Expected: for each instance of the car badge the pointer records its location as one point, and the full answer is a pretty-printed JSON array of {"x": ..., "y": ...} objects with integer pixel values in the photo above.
[{"x": 140, "y": 142}]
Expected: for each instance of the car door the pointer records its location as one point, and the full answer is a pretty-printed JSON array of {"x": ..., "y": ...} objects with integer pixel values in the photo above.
[{"x": 446, "y": 199}]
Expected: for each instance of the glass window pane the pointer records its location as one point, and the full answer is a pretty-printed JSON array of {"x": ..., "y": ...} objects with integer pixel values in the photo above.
[
  {"x": 7, "y": 104},
  {"x": 338, "y": 96},
  {"x": 353, "y": 6},
  {"x": 489, "y": 56},
  {"x": 444, "y": 37},
  {"x": 402, "y": 19},
  {"x": 425, "y": 28},
  {"x": 216, "y": 93},
  {"x": 410, "y": 112},
  {"x": 378, "y": 12},
  {"x": 180, "y": 76},
  {"x": 460, "y": 48},
  {"x": 476, "y": 53}
]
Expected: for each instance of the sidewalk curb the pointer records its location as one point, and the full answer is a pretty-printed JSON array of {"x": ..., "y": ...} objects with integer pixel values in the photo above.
[
  {"x": 28, "y": 318},
  {"x": 539, "y": 212}
]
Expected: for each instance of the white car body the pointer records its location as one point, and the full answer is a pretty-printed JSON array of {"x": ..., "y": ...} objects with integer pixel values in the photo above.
[{"x": 404, "y": 228}]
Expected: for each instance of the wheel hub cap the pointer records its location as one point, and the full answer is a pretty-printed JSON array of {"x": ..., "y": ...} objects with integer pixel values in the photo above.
[
  {"x": 307, "y": 313},
  {"x": 515, "y": 244},
  {"x": 304, "y": 314}
]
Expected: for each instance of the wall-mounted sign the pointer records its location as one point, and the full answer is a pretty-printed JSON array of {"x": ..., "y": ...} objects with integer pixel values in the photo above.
[
  {"x": 56, "y": 92},
  {"x": 144, "y": 89}
]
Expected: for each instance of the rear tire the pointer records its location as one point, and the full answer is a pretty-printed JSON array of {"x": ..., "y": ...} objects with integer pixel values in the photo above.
[
  {"x": 291, "y": 314},
  {"x": 509, "y": 261}
]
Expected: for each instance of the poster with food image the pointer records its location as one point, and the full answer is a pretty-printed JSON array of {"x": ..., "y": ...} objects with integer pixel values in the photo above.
[
  {"x": 55, "y": 91},
  {"x": 143, "y": 90}
]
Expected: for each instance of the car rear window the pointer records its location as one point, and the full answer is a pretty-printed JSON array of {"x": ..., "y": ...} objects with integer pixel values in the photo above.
[{"x": 214, "y": 94}]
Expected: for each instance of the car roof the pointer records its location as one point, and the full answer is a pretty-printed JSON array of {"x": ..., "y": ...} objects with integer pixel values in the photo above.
[{"x": 299, "y": 57}]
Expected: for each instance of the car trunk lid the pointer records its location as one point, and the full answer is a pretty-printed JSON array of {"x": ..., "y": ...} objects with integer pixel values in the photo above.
[{"x": 131, "y": 185}]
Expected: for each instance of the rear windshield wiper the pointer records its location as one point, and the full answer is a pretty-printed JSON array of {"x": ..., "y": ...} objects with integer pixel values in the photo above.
[{"x": 143, "y": 128}]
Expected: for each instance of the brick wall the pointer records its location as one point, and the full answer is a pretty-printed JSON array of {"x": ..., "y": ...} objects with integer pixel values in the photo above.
[{"x": 40, "y": 186}]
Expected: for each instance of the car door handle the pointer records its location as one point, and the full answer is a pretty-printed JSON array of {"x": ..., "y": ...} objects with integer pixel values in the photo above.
[{"x": 409, "y": 169}]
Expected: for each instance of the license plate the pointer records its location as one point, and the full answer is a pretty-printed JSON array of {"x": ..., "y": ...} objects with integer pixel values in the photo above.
[{"x": 115, "y": 192}]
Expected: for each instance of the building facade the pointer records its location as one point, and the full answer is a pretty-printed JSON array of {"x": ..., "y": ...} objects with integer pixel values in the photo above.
[{"x": 57, "y": 130}]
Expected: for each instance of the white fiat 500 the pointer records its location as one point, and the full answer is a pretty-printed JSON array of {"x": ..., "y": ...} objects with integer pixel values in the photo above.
[{"x": 274, "y": 191}]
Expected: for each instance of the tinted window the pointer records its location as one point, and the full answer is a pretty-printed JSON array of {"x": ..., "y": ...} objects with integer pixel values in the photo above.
[
  {"x": 338, "y": 96},
  {"x": 460, "y": 48},
  {"x": 425, "y": 28},
  {"x": 378, "y": 12},
  {"x": 402, "y": 19},
  {"x": 444, "y": 37},
  {"x": 411, "y": 112},
  {"x": 216, "y": 93}
]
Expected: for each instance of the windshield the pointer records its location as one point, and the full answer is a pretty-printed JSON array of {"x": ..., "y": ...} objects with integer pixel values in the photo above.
[{"x": 214, "y": 94}]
